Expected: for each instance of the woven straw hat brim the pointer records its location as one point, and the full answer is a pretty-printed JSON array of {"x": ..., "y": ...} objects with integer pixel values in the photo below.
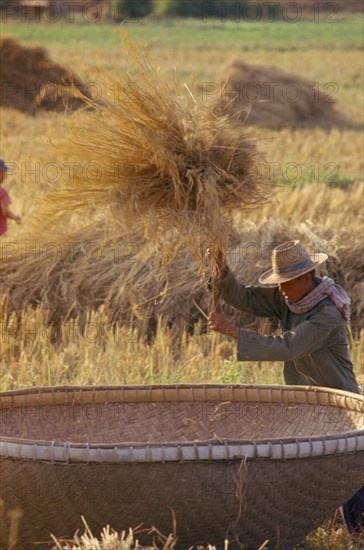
[{"x": 270, "y": 277}]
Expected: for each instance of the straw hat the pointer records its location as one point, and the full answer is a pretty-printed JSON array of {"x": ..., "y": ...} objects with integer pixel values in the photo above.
[{"x": 290, "y": 260}]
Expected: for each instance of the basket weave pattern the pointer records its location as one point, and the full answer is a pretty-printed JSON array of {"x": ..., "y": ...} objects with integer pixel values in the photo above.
[{"x": 247, "y": 462}]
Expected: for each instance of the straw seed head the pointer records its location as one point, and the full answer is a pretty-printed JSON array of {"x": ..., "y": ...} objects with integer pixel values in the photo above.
[{"x": 161, "y": 161}]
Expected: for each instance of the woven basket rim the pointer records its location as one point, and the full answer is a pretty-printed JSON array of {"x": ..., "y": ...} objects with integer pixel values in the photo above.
[
  {"x": 212, "y": 449},
  {"x": 208, "y": 451},
  {"x": 262, "y": 392},
  {"x": 171, "y": 443}
]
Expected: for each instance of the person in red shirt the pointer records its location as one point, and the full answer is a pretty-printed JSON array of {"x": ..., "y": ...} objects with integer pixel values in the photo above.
[{"x": 5, "y": 212}]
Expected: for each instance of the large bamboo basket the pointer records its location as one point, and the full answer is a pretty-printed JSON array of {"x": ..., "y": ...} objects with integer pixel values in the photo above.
[{"x": 246, "y": 463}]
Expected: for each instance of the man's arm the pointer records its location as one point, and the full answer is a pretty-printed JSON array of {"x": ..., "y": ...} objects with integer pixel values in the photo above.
[
  {"x": 306, "y": 338},
  {"x": 262, "y": 302}
]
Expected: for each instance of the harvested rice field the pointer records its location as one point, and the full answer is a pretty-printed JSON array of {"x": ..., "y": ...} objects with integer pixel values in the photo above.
[{"x": 106, "y": 283}]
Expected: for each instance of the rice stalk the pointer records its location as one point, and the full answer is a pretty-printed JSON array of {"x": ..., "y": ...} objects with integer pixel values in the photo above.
[{"x": 149, "y": 156}]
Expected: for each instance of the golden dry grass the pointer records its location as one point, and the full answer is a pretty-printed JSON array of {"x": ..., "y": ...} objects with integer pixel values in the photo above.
[
  {"x": 34, "y": 354},
  {"x": 344, "y": 68},
  {"x": 111, "y": 540},
  {"x": 94, "y": 267}
]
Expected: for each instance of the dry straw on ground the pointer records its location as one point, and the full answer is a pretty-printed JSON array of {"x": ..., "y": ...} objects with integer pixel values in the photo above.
[
  {"x": 112, "y": 540},
  {"x": 263, "y": 95},
  {"x": 154, "y": 158},
  {"x": 30, "y": 80}
]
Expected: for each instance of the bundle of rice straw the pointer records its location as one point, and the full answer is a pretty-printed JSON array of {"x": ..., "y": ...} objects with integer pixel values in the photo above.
[
  {"x": 155, "y": 158},
  {"x": 97, "y": 267},
  {"x": 31, "y": 80}
]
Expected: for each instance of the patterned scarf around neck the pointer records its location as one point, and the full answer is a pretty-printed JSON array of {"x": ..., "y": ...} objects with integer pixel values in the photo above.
[{"x": 326, "y": 287}]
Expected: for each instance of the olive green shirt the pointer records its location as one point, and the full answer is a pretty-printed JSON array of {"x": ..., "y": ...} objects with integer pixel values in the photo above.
[{"x": 313, "y": 345}]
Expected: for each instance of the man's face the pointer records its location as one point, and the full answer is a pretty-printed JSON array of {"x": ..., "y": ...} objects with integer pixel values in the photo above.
[{"x": 295, "y": 290}]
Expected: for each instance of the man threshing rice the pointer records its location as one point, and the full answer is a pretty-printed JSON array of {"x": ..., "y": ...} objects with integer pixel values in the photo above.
[{"x": 312, "y": 312}]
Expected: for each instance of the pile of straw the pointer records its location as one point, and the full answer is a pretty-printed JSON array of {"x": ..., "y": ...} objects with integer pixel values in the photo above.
[
  {"x": 152, "y": 157},
  {"x": 96, "y": 267},
  {"x": 30, "y": 80},
  {"x": 268, "y": 96}
]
